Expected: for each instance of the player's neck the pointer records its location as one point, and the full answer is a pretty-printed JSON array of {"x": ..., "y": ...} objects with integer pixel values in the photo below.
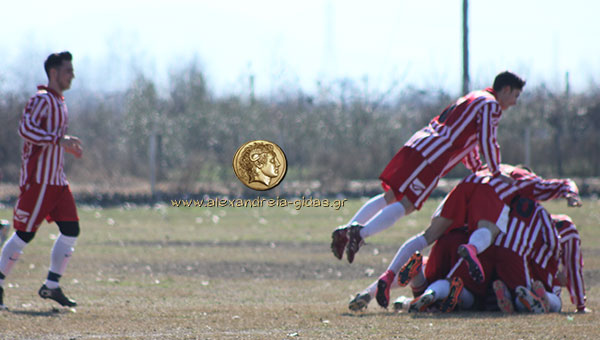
[{"x": 52, "y": 85}]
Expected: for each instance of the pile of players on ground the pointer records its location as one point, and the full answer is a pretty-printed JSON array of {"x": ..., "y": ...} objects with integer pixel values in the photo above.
[{"x": 527, "y": 258}]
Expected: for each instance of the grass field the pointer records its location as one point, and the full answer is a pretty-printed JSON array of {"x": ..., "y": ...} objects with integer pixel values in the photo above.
[{"x": 250, "y": 273}]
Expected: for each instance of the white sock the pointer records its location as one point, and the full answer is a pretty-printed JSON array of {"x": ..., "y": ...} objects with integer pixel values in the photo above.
[
  {"x": 555, "y": 302},
  {"x": 419, "y": 281},
  {"x": 61, "y": 255},
  {"x": 11, "y": 251},
  {"x": 369, "y": 209},
  {"x": 409, "y": 247},
  {"x": 466, "y": 299},
  {"x": 441, "y": 289},
  {"x": 481, "y": 239},
  {"x": 519, "y": 306},
  {"x": 383, "y": 220}
]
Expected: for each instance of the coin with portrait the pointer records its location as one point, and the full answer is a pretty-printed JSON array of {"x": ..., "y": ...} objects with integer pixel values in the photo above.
[{"x": 260, "y": 164}]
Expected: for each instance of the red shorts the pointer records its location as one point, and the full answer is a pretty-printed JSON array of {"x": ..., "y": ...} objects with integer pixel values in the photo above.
[
  {"x": 487, "y": 262},
  {"x": 408, "y": 174},
  {"x": 548, "y": 276},
  {"x": 39, "y": 201},
  {"x": 443, "y": 255},
  {"x": 469, "y": 203}
]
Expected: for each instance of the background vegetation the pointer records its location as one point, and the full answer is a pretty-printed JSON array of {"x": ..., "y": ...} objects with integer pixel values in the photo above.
[{"x": 344, "y": 132}]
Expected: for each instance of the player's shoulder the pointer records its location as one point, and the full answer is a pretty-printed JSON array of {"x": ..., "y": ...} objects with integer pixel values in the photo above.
[
  {"x": 484, "y": 97},
  {"x": 41, "y": 95}
]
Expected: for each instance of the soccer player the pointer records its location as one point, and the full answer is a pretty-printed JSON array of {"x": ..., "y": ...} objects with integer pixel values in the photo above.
[
  {"x": 45, "y": 191},
  {"x": 531, "y": 237},
  {"x": 568, "y": 272},
  {"x": 480, "y": 200},
  {"x": 459, "y": 133}
]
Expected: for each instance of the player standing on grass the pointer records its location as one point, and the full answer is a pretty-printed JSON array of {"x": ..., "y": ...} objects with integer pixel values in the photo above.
[
  {"x": 45, "y": 191},
  {"x": 459, "y": 133}
]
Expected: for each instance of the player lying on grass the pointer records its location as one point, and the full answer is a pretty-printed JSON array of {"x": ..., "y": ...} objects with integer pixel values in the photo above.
[
  {"x": 516, "y": 257},
  {"x": 479, "y": 208}
]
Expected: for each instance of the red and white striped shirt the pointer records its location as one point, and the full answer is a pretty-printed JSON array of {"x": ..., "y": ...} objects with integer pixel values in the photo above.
[
  {"x": 531, "y": 233},
  {"x": 460, "y": 132},
  {"x": 571, "y": 258},
  {"x": 43, "y": 124},
  {"x": 528, "y": 184}
]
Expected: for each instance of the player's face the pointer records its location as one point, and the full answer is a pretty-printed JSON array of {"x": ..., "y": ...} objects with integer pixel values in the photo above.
[
  {"x": 271, "y": 169},
  {"x": 64, "y": 75},
  {"x": 508, "y": 97}
]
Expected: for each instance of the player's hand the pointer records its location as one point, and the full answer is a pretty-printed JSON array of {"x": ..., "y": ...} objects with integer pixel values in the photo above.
[
  {"x": 574, "y": 201},
  {"x": 72, "y": 145}
]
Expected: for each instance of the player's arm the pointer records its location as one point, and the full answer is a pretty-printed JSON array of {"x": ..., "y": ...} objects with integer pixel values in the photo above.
[
  {"x": 30, "y": 126},
  {"x": 547, "y": 189},
  {"x": 488, "y": 125},
  {"x": 573, "y": 263},
  {"x": 472, "y": 160}
]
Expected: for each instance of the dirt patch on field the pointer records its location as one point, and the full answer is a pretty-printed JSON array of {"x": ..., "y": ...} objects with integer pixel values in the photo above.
[
  {"x": 295, "y": 267},
  {"x": 298, "y": 269}
]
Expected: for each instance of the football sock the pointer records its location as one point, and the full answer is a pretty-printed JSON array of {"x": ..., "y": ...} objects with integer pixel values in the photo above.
[
  {"x": 61, "y": 255},
  {"x": 520, "y": 306},
  {"x": 369, "y": 209},
  {"x": 11, "y": 251},
  {"x": 555, "y": 302},
  {"x": 466, "y": 299},
  {"x": 383, "y": 220},
  {"x": 481, "y": 239},
  {"x": 406, "y": 250},
  {"x": 441, "y": 289},
  {"x": 419, "y": 282}
]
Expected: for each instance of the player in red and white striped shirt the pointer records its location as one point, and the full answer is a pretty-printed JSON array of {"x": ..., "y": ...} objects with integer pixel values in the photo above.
[
  {"x": 476, "y": 202},
  {"x": 571, "y": 260},
  {"x": 45, "y": 192},
  {"x": 458, "y": 134},
  {"x": 528, "y": 184}
]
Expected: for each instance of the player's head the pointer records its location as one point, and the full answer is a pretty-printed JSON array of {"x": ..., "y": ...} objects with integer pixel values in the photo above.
[
  {"x": 508, "y": 87},
  {"x": 59, "y": 69}
]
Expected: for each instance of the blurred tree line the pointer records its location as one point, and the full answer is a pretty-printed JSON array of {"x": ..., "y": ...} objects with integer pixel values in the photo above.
[{"x": 342, "y": 133}]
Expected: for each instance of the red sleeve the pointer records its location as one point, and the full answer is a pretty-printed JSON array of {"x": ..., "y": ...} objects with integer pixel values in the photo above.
[
  {"x": 488, "y": 123},
  {"x": 572, "y": 260},
  {"x": 30, "y": 127},
  {"x": 547, "y": 189}
]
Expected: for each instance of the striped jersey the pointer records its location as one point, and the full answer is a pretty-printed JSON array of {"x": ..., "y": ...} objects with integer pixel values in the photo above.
[
  {"x": 526, "y": 184},
  {"x": 531, "y": 233},
  {"x": 43, "y": 124},
  {"x": 571, "y": 258},
  {"x": 460, "y": 132}
]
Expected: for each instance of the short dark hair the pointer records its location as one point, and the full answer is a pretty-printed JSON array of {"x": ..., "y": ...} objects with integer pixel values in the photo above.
[
  {"x": 508, "y": 78},
  {"x": 55, "y": 60}
]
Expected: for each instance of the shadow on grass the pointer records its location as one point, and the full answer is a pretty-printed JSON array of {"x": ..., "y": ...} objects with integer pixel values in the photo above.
[
  {"x": 53, "y": 312},
  {"x": 453, "y": 315}
]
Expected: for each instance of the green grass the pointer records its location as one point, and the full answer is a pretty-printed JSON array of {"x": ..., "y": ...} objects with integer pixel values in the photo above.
[{"x": 250, "y": 273}]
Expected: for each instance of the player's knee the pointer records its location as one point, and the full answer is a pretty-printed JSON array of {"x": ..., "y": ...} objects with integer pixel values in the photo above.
[
  {"x": 25, "y": 236},
  {"x": 69, "y": 228}
]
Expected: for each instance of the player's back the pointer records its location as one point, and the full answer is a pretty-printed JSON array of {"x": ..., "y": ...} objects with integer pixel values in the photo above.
[{"x": 455, "y": 129}]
